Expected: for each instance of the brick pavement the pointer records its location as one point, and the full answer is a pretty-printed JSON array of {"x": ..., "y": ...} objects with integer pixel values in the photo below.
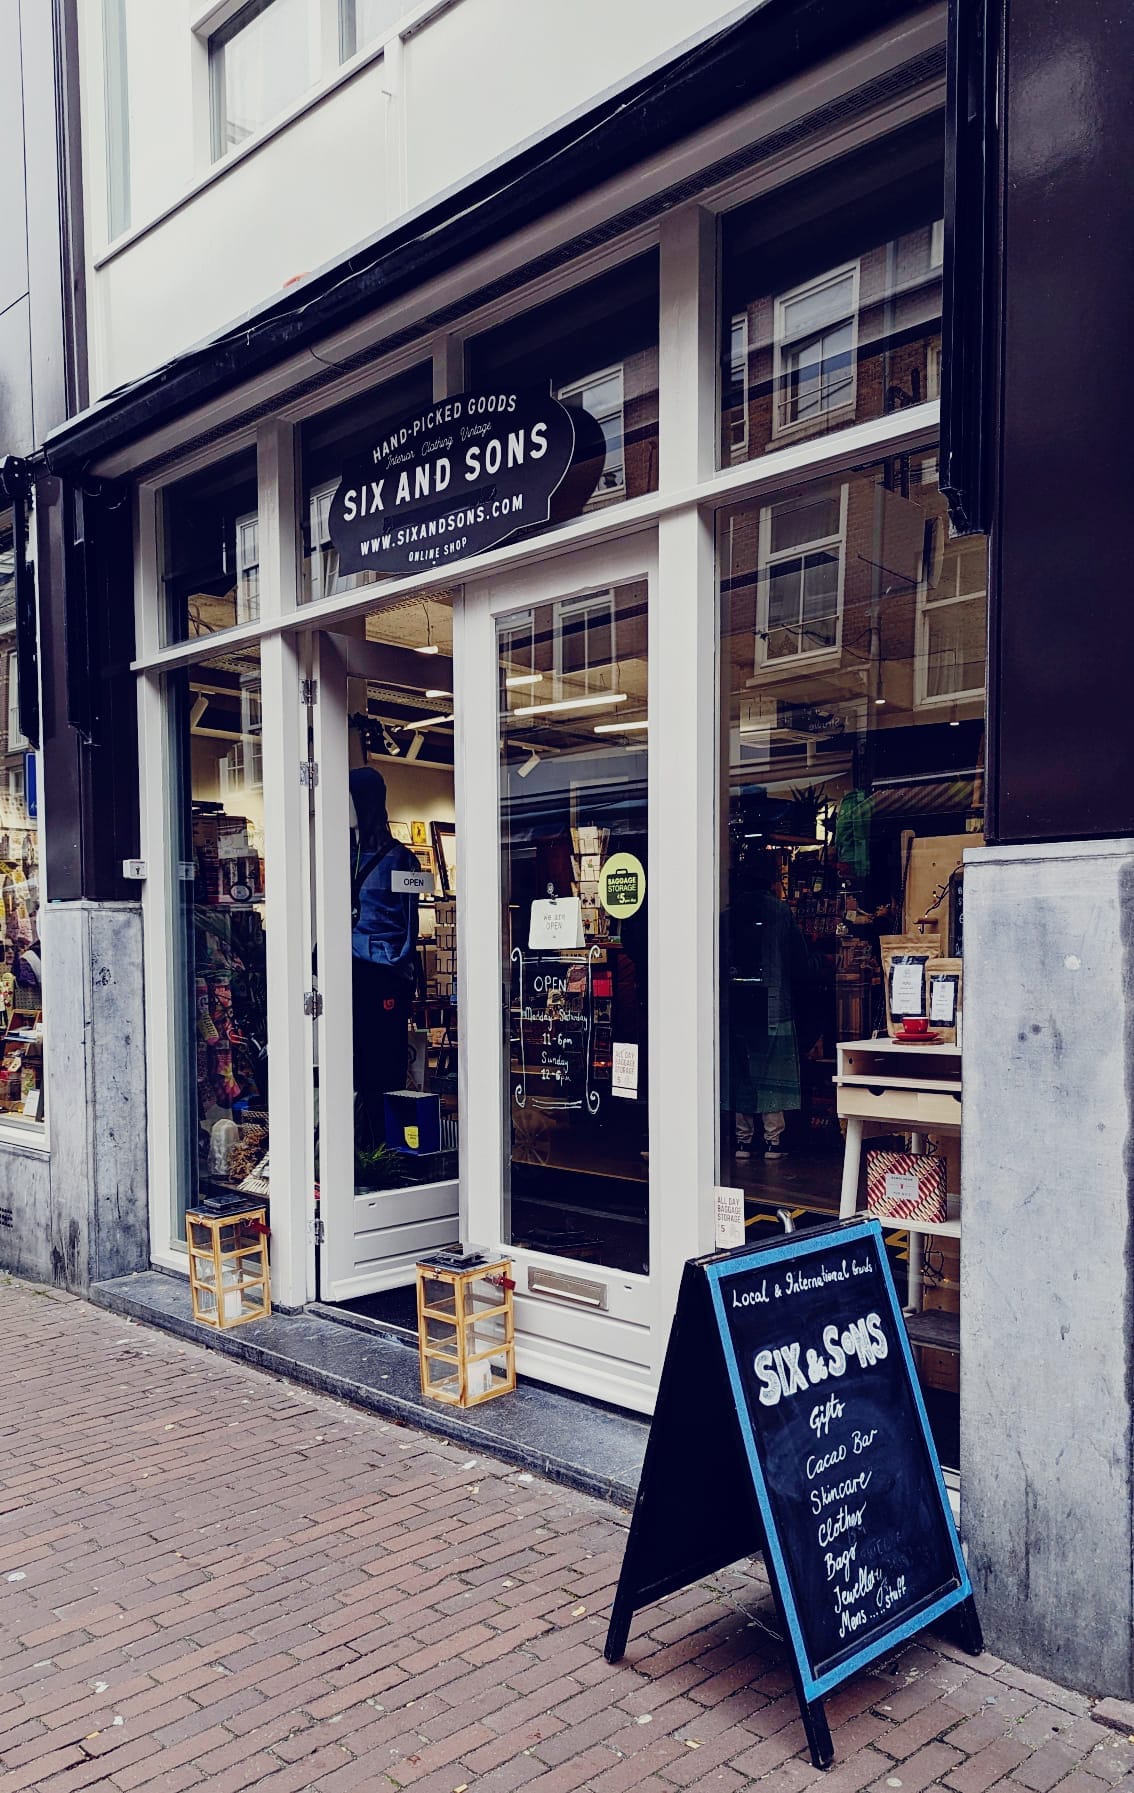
[{"x": 209, "y": 1578}]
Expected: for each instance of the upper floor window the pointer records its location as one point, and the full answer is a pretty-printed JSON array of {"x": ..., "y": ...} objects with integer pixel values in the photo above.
[
  {"x": 263, "y": 58},
  {"x": 365, "y": 22}
]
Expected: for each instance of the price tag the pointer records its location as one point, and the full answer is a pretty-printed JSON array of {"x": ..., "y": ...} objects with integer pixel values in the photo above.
[
  {"x": 730, "y": 1219},
  {"x": 624, "y": 1076}
]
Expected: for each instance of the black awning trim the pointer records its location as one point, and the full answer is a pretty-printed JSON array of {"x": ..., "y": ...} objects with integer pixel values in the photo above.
[{"x": 761, "y": 50}]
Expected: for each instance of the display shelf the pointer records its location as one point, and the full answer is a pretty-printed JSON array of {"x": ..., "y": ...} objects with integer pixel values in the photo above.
[{"x": 884, "y": 1086}]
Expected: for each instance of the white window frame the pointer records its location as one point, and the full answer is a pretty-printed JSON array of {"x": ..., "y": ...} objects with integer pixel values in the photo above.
[
  {"x": 783, "y": 344},
  {"x": 767, "y": 560},
  {"x": 575, "y": 392},
  {"x": 218, "y": 40}
]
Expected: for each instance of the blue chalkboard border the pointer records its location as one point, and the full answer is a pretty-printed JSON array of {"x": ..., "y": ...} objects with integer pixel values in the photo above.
[{"x": 803, "y": 1245}]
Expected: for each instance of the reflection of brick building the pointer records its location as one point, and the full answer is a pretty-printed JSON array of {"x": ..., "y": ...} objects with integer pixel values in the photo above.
[
  {"x": 896, "y": 632},
  {"x": 858, "y": 341}
]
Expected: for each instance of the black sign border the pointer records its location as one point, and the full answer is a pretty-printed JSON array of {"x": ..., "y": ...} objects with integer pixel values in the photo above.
[{"x": 814, "y": 1682}]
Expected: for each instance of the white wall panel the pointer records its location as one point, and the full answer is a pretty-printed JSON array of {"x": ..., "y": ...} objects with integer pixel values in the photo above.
[
  {"x": 488, "y": 74},
  {"x": 301, "y": 200}
]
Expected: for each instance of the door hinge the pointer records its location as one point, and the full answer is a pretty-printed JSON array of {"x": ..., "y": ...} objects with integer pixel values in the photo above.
[
  {"x": 308, "y": 691},
  {"x": 309, "y": 773},
  {"x": 320, "y": 1232},
  {"x": 312, "y": 1003}
]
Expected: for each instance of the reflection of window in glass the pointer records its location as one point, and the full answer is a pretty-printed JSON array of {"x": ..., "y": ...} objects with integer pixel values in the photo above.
[
  {"x": 597, "y": 345},
  {"x": 261, "y": 60},
  {"x": 210, "y": 549},
  {"x": 117, "y": 108},
  {"x": 517, "y": 651},
  {"x": 816, "y": 329},
  {"x": 584, "y": 644},
  {"x": 952, "y": 590},
  {"x": 247, "y": 569},
  {"x": 736, "y": 396},
  {"x": 838, "y": 273},
  {"x": 601, "y": 395},
  {"x": 364, "y": 22},
  {"x": 801, "y": 576}
]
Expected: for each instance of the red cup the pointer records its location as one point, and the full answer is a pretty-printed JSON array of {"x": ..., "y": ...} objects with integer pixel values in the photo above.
[{"x": 915, "y": 1024}]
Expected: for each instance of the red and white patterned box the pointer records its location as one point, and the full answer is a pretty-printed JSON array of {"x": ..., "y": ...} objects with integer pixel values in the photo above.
[{"x": 905, "y": 1186}]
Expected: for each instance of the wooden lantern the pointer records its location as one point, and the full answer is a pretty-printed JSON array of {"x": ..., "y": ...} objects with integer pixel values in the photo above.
[
  {"x": 228, "y": 1266},
  {"x": 465, "y": 1331}
]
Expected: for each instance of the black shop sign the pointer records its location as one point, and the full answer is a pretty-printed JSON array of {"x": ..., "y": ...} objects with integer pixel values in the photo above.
[
  {"x": 452, "y": 479},
  {"x": 790, "y": 1422}
]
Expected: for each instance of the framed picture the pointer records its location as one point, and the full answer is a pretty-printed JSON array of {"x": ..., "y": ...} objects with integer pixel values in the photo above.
[
  {"x": 419, "y": 834},
  {"x": 445, "y": 847},
  {"x": 401, "y": 831},
  {"x": 424, "y": 857}
]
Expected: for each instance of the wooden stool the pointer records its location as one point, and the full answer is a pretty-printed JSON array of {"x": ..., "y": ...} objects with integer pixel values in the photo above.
[
  {"x": 228, "y": 1256},
  {"x": 465, "y": 1329}
]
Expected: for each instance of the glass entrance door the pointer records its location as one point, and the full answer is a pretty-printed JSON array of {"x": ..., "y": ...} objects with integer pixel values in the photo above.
[
  {"x": 384, "y": 954},
  {"x": 573, "y": 692}
]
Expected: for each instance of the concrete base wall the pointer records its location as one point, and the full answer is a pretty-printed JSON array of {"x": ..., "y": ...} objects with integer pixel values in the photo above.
[
  {"x": 1046, "y": 1311},
  {"x": 73, "y": 1208}
]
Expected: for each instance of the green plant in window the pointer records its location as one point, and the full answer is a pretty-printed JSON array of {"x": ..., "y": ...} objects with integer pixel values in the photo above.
[{"x": 380, "y": 1167}]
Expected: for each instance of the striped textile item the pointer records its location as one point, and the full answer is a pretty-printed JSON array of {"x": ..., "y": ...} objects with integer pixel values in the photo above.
[{"x": 903, "y": 1186}]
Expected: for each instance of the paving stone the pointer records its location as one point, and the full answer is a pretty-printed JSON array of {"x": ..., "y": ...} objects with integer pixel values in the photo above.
[{"x": 322, "y": 1608}]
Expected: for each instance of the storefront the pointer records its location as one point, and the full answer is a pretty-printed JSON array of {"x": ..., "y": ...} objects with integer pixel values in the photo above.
[{"x": 662, "y": 767}]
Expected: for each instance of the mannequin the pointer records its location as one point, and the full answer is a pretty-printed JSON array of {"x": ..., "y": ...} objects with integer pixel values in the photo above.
[{"x": 383, "y": 954}]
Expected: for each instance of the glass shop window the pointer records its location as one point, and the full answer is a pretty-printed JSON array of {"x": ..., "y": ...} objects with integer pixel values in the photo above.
[
  {"x": 220, "y": 1134},
  {"x": 211, "y": 549},
  {"x": 832, "y": 296},
  {"x": 22, "y": 1091},
  {"x": 259, "y": 62},
  {"x": 329, "y": 442},
  {"x": 573, "y": 801},
  {"x": 597, "y": 346},
  {"x": 852, "y": 655}
]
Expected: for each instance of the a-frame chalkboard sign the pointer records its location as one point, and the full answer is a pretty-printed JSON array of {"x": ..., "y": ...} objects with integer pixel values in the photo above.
[{"x": 790, "y": 1422}]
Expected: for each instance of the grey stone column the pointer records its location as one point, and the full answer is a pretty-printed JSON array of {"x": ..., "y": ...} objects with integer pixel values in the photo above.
[
  {"x": 1047, "y": 1328},
  {"x": 77, "y": 1212}
]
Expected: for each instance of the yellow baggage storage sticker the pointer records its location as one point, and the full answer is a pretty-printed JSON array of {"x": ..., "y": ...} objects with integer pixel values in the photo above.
[{"x": 622, "y": 885}]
